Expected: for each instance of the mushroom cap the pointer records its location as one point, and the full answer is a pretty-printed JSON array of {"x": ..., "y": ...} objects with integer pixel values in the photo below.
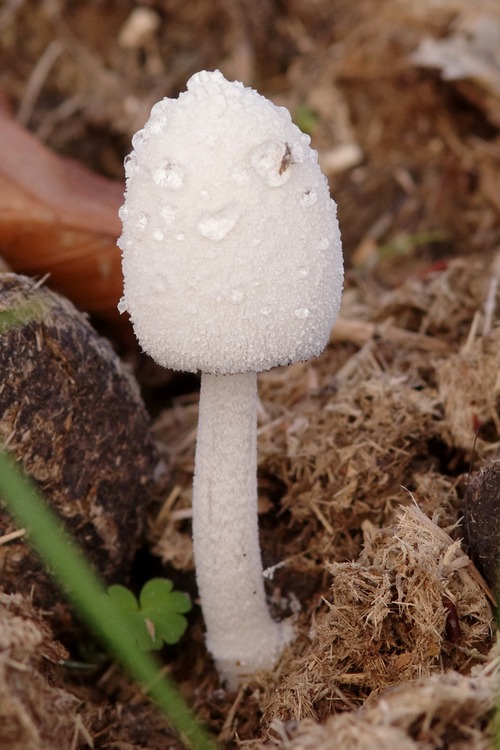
[{"x": 232, "y": 258}]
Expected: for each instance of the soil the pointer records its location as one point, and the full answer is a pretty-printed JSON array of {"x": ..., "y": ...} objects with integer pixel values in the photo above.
[{"x": 365, "y": 453}]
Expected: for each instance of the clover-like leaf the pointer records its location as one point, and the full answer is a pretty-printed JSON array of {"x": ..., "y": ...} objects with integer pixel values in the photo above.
[{"x": 158, "y": 616}]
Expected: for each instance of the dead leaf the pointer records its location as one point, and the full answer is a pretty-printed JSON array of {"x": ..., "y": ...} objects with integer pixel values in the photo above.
[
  {"x": 58, "y": 217},
  {"x": 471, "y": 58}
]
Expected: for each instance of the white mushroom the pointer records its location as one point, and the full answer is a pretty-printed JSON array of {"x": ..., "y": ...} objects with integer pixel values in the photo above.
[{"x": 232, "y": 265}]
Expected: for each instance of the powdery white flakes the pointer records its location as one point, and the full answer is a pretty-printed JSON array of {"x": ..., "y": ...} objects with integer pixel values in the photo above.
[
  {"x": 247, "y": 225},
  {"x": 169, "y": 176},
  {"x": 271, "y": 161},
  {"x": 216, "y": 226},
  {"x": 302, "y": 313}
]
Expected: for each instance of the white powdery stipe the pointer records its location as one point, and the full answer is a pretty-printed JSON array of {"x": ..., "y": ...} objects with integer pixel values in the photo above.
[{"x": 241, "y": 634}]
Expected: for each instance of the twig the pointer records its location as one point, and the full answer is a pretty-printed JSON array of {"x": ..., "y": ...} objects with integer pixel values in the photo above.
[
  {"x": 37, "y": 79},
  {"x": 359, "y": 332},
  {"x": 13, "y": 535},
  {"x": 491, "y": 300}
]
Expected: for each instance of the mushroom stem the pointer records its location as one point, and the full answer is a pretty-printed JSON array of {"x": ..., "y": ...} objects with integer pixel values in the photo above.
[{"x": 241, "y": 635}]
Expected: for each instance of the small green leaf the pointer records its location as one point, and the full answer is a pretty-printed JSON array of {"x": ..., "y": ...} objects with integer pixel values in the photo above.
[
  {"x": 165, "y": 609},
  {"x": 306, "y": 118},
  {"x": 123, "y": 598},
  {"x": 158, "y": 617}
]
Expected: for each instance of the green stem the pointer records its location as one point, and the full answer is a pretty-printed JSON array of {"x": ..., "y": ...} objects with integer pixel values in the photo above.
[{"x": 87, "y": 594}]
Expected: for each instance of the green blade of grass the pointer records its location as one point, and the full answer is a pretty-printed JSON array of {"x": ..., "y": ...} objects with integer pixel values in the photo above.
[{"x": 87, "y": 594}]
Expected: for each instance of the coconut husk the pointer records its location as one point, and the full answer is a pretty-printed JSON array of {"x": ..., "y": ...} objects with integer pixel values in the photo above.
[
  {"x": 482, "y": 521},
  {"x": 71, "y": 413}
]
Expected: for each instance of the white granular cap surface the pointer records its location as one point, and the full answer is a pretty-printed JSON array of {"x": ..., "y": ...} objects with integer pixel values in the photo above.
[{"x": 232, "y": 258}]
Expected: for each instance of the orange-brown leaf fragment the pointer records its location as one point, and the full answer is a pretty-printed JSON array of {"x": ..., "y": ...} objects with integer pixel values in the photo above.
[{"x": 58, "y": 217}]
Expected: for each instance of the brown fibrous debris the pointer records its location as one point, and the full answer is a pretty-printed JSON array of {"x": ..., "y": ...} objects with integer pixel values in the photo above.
[
  {"x": 36, "y": 714},
  {"x": 364, "y": 469},
  {"x": 385, "y": 621}
]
